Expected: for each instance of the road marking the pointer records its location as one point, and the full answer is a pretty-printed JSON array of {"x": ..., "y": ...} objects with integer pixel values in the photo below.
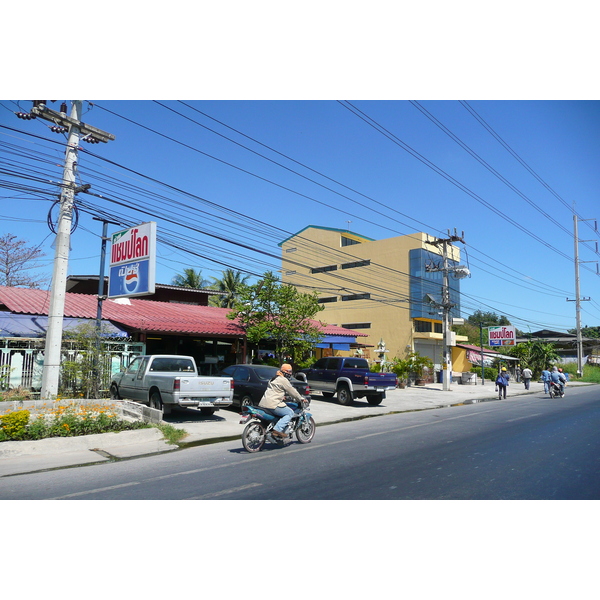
[
  {"x": 104, "y": 489},
  {"x": 225, "y": 492},
  {"x": 525, "y": 417}
]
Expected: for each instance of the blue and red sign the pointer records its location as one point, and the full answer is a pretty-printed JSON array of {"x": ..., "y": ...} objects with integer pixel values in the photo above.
[
  {"x": 132, "y": 261},
  {"x": 501, "y": 336}
]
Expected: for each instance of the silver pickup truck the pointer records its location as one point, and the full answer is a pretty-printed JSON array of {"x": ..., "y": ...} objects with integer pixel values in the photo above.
[{"x": 162, "y": 381}]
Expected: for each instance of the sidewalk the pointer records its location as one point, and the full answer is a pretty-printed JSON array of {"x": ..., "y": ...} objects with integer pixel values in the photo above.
[{"x": 28, "y": 457}]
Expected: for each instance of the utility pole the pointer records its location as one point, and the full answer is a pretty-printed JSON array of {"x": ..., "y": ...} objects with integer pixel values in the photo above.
[
  {"x": 446, "y": 305},
  {"x": 578, "y": 298},
  {"x": 101, "y": 296},
  {"x": 76, "y": 129}
]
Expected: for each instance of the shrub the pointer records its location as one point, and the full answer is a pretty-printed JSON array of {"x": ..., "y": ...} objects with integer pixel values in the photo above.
[
  {"x": 64, "y": 421},
  {"x": 14, "y": 424},
  {"x": 489, "y": 372}
]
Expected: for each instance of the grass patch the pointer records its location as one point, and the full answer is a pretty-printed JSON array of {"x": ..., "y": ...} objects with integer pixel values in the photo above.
[
  {"x": 171, "y": 434},
  {"x": 591, "y": 374}
]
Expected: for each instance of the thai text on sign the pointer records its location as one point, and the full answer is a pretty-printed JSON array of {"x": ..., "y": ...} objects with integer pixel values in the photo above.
[
  {"x": 501, "y": 336},
  {"x": 131, "y": 244}
]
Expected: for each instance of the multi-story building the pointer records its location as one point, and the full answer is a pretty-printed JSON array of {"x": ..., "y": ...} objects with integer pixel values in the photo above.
[{"x": 389, "y": 289}]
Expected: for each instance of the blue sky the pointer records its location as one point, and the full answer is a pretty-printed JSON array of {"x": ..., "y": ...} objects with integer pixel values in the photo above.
[
  {"x": 509, "y": 168},
  {"x": 405, "y": 166}
]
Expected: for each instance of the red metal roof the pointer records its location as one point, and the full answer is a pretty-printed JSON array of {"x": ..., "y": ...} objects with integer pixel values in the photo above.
[{"x": 136, "y": 314}]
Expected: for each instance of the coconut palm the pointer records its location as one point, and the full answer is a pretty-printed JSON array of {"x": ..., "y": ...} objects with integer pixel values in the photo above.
[
  {"x": 230, "y": 283},
  {"x": 190, "y": 279}
]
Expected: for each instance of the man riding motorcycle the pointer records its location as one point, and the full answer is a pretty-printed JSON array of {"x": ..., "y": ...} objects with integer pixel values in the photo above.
[
  {"x": 557, "y": 376},
  {"x": 273, "y": 399}
]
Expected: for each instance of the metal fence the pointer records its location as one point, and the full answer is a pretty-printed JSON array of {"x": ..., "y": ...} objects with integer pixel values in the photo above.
[{"x": 22, "y": 361}]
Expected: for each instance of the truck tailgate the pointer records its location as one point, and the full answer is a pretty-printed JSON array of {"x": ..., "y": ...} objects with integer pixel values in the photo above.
[
  {"x": 381, "y": 380},
  {"x": 206, "y": 386}
]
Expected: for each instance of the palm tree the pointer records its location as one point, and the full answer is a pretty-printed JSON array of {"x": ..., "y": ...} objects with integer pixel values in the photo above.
[
  {"x": 190, "y": 279},
  {"x": 230, "y": 283}
]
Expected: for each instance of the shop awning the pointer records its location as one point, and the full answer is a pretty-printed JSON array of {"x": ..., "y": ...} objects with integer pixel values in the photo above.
[
  {"x": 18, "y": 325},
  {"x": 474, "y": 357},
  {"x": 337, "y": 342}
]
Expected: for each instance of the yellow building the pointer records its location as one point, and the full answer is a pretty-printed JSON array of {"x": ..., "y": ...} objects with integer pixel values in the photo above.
[{"x": 389, "y": 289}]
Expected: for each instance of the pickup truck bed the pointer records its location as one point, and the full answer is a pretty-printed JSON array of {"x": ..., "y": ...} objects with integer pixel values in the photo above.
[{"x": 163, "y": 381}]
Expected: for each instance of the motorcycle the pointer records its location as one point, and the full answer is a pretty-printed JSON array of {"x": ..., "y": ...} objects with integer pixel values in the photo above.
[
  {"x": 259, "y": 425},
  {"x": 556, "y": 390}
]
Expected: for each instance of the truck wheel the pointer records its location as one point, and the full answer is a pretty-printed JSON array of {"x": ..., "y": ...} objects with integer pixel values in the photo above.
[
  {"x": 114, "y": 392},
  {"x": 344, "y": 395},
  {"x": 246, "y": 401},
  {"x": 375, "y": 400},
  {"x": 156, "y": 401}
]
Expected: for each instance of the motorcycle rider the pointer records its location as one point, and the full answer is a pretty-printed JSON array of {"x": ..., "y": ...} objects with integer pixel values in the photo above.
[
  {"x": 274, "y": 399},
  {"x": 558, "y": 377}
]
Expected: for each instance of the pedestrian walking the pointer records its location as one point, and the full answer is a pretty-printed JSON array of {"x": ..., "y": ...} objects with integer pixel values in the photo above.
[
  {"x": 546, "y": 379},
  {"x": 527, "y": 375},
  {"x": 502, "y": 383}
]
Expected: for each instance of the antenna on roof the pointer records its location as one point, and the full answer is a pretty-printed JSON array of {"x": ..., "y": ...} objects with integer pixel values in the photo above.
[{"x": 348, "y": 228}]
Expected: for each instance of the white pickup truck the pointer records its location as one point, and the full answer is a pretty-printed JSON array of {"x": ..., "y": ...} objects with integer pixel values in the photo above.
[{"x": 163, "y": 380}]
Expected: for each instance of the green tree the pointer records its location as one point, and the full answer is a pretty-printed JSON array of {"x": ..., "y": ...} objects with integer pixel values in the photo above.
[
  {"x": 279, "y": 313},
  {"x": 488, "y": 319},
  {"x": 536, "y": 355},
  {"x": 230, "y": 284},
  {"x": 589, "y": 332},
  {"x": 88, "y": 364},
  {"x": 190, "y": 279},
  {"x": 471, "y": 331}
]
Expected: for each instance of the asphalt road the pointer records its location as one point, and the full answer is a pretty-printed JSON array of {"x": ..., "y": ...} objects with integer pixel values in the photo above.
[{"x": 522, "y": 448}]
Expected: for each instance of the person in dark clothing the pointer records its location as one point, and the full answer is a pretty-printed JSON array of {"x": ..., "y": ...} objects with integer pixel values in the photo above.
[{"x": 502, "y": 383}]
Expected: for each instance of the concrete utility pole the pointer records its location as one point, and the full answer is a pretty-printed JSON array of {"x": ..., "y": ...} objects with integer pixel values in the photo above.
[
  {"x": 578, "y": 298},
  {"x": 446, "y": 305},
  {"x": 76, "y": 129}
]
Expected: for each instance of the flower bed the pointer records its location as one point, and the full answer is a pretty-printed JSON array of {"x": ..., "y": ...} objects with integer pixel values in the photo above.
[{"x": 35, "y": 420}]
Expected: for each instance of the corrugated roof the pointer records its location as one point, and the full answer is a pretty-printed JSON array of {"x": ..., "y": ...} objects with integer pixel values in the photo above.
[{"x": 140, "y": 315}]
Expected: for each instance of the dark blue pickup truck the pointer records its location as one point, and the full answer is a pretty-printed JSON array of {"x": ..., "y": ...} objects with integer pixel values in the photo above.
[{"x": 349, "y": 378}]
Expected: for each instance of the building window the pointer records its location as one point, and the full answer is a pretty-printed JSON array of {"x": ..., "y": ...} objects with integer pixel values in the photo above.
[
  {"x": 358, "y": 263},
  {"x": 356, "y": 297},
  {"x": 290, "y": 272},
  {"x": 424, "y": 283},
  {"x": 324, "y": 269},
  {"x": 329, "y": 299},
  {"x": 291, "y": 249},
  {"x": 422, "y": 326},
  {"x": 346, "y": 241},
  {"x": 437, "y": 328},
  {"x": 357, "y": 325}
]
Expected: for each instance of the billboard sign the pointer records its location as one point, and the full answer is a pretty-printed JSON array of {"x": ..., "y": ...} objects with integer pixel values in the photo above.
[
  {"x": 133, "y": 261},
  {"x": 501, "y": 336}
]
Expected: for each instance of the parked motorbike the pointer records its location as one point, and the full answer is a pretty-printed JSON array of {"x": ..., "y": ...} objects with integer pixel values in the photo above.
[
  {"x": 260, "y": 423},
  {"x": 556, "y": 390}
]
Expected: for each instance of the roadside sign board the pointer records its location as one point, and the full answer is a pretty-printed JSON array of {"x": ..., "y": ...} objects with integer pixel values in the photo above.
[
  {"x": 133, "y": 261},
  {"x": 501, "y": 336}
]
